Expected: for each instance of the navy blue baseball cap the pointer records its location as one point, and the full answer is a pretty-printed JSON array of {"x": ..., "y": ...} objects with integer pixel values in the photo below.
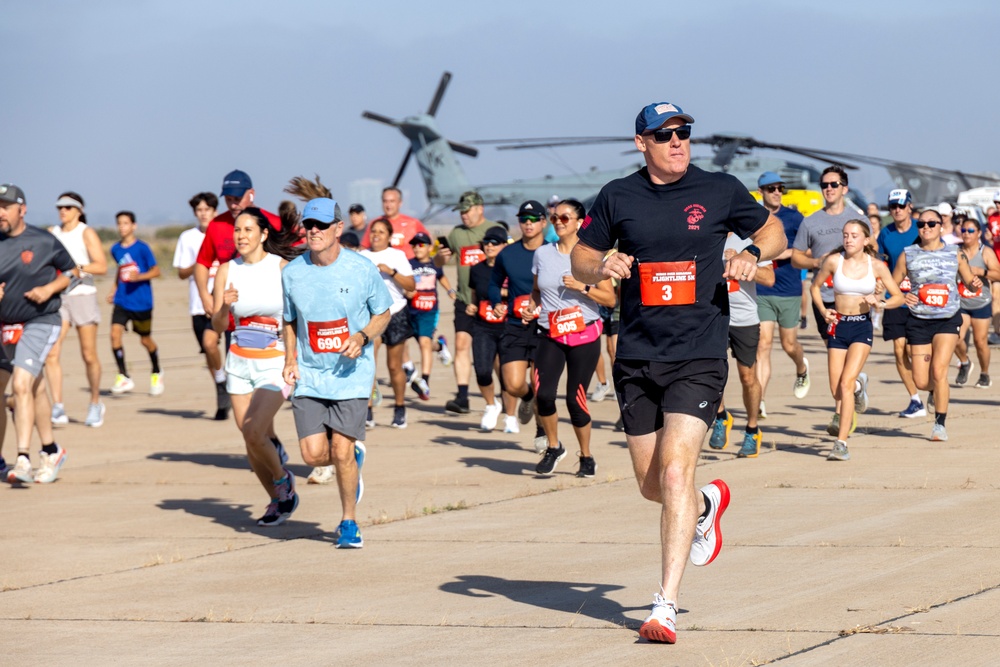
[
  {"x": 900, "y": 196},
  {"x": 236, "y": 183},
  {"x": 768, "y": 178},
  {"x": 322, "y": 210},
  {"x": 656, "y": 114},
  {"x": 532, "y": 207}
]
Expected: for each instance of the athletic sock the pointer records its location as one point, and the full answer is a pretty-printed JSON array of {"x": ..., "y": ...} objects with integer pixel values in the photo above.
[
  {"x": 154, "y": 358},
  {"x": 916, "y": 397},
  {"x": 940, "y": 417},
  {"x": 722, "y": 413},
  {"x": 220, "y": 376},
  {"x": 753, "y": 431},
  {"x": 120, "y": 360},
  {"x": 50, "y": 449},
  {"x": 463, "y": 393}
]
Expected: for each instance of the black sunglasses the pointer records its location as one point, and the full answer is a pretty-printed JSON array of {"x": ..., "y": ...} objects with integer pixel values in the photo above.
[
  {"x": 311, "y": 224},
  {"x": 529, "y": 218},
  {"x": 927, "y": 223},
  {"x": 665, "y": 134},
  {"x": 774, "y": 188},
  {"x": 899, "y": 206},
  {"x": 826, "y": 185},
  {"x": 493, "y": 242}
]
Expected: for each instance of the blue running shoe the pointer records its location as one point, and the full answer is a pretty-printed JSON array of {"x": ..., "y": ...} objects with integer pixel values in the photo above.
[
  {"x": 720, "y": 432},
  {"x": 916, "y": 409},
  {"x": 349, "y": 535},
  {"x": 359, "y": 455},
  {"x": 751, "y": 445}
]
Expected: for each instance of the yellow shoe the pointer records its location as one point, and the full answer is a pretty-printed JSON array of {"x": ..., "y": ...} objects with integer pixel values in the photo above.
[
  {"x": 751, "y": 445},
  {"x": 720, "y": 432}
]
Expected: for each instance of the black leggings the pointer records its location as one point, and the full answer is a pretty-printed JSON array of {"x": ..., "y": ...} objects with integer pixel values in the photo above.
[
  {"x": 485, "y": 346},
  {"x": 579, "y": 361}
]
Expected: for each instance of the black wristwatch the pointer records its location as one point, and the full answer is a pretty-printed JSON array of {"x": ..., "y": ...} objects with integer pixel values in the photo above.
[
  {"x": 395, "y": 271},
  {"x": 753, "y": 250},
  {"x": 586, "y": 289},
  {"x": 364, "y": 337}
]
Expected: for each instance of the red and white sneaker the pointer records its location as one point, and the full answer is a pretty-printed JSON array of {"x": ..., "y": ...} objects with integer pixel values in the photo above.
[
  {"x": 707, "y": 540},
  {"x": 48, "y": 470},
  {"x": 660, "y": 625}
]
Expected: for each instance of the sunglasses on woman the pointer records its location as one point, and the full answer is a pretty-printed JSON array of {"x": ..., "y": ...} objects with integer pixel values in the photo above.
[
  {"x": 927, "y": 223},
  {"x": 564, "y": 218}
]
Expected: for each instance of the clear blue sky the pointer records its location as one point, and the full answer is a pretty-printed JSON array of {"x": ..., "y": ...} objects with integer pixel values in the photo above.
[{"x": 141, "y": 104}]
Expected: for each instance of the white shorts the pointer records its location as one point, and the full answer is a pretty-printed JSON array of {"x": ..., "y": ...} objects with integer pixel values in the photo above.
[{"x": 244, "y": 374}]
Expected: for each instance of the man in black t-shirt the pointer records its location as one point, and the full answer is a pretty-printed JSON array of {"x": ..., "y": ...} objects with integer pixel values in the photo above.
[{"x": 670, "y": 221}]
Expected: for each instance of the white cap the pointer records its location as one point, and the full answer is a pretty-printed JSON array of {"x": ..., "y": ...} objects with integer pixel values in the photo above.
[{"x": 944, "y": 208}]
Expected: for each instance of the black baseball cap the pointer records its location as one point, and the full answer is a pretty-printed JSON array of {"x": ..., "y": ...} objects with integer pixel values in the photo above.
[
  {"x": 419, "y": 238},
  {"x": 356, "y": 208},
  {"x": 532, "y": 208}
]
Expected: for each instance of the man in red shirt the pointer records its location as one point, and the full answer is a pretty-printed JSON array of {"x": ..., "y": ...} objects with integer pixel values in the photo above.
[
  {"x": 403, "y": 226},
  {"x": 218, "y": 246}
]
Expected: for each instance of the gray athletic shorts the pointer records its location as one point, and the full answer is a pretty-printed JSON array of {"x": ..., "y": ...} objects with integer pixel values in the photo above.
[
  {"x": 785, "y": 310},
  {"x": 323, "y": 415},
  {"x": 33, "y": 347},
  {"x": 80, "y": 309}
]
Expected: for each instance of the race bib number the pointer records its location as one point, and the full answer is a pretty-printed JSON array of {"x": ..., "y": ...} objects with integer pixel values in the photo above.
[
  {"x": 424, "y": 301},
  {"x": 471, "y": 255},
  {"x": 566, "y": 321},
  {"x": 212, "y": 270},
  {"x": 904, "y": 284},
  {"x": 127, "y": 272},
  {"x": 265, "y": 324},
  {"x": 11, "y": 333},
  {"x": 667, "y": 283},
  {"x": 829, "y": 281},
  {"x": 965, "y": 293},
  {"x": 520, "y": 303},
  {"x": 486, "y": 313},
  {"x": 396, "y": 239},
  {"x": 328, "y": 336},
  {"x": 733, "y": 286},
  {"x": 934, "y": 294}
]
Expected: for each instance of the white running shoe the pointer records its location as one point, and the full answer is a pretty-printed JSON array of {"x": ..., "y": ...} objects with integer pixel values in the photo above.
[
  {"x": 707, "y": 540},
  {"x": 861, "y": 393},
  {"x": 59, "y": 417},
  {"x": 661, "y": 624},
  {"x": 156, "y": 384},
  {"x": 321, "y": 475},
  {"x": 490, "y": 416},
  {"x": 600, "y": 392},
  {"x": 21, "y": 472},
  {"x": 762, "y": 412},
  {"x": 95, "y": 415},
  {"x": 510, "y": 424},
  {"x": 801, "y": 388},
  {"x": 123, "y": 383},
  {"x": 48, "y": 471},
  {"x": 444, "y": 354}
]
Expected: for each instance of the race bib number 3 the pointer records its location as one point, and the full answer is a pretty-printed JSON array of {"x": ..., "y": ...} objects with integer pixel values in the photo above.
[
  {"x": 934, "y": 294},
  {"x": 667, "y": 283},
  {"x": 11, "y": 333},
  {"x": 471, "y": 255},
  {"x": 566, "y": 321},
  {"x": 328, "y": 336}
]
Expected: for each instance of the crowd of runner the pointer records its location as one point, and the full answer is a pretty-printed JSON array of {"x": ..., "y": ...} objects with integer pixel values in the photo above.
[{"x": 300, "y": 304}]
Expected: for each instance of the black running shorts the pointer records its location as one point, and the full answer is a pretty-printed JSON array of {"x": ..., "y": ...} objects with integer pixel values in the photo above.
[{"x": 647, "y": 389}]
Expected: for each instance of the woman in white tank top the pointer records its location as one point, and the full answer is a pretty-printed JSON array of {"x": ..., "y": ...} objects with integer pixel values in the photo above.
[
  {"x": 854, "y": 270},
  {"x": 79, "y": 307},
  {"x": 249, "y": 289}
]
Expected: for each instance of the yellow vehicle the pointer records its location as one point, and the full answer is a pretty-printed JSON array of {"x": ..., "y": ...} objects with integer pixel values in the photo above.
[{"x": 805, "y": 202}]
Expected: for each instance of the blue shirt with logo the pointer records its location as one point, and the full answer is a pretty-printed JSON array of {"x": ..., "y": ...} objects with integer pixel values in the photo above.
[{"x": 136, "y": 296}]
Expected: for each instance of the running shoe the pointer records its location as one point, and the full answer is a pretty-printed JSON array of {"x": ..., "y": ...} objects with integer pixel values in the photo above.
[
  {"x": 48, "y": 469},
  {"x": 457, "y": 407},
  {"x": 123, "y": 383},
  {"x": 59, "y": 417},
  {"x": 803, "y": 323},
  {"x": 3, "y": 466},
  {"x": 95, "y": 415},
  {"x": 321, "y": 475},
  {"x": 21, "y": 472},
  {"x": 288, "y": 500},
  {"x": 762, "y": 411},
  {"x": 349, "y": 535},
  {"x": 993, "y": 339},
  {"x": 282, "y": 454},
  {"x": 444, "y": 354},
  {"x": 360, "y": 452},
  {"x": 600, "y": 392},
  {"x": 223, "y": 403},
  {"x": 984, "y": 381},
  {"x": 422, "y": 388},
  {"x": 271, "y": 516},
  {"x": 661, "y": 624},
  {"x": 839, "y": 452},
  {"x": 588, "y": 467},
  {"x": 376, "y": 396},
  {"x": 411, "y": 372},
  {"x": 938, "y": 434},
  {"x": 961, "y": 379},
  {"x": 541, "y": 441},
  {"x": 399, "y": 416},
  {"x": 707, "y": 542},
  {"x": 861, "y": 393},
  {"x": 720, "y": 432},
  {"x": 510, "y": 424},
  {"x": 751, "y": 445},
  {"x": 801, "y": 388},
  {"x": 491, "y": 413},
  {"x": 915, "y": 409},
  {"x": 370, "y": 419},
  {"x": 156, "y": 384},
  {"x": 833, "y": 428},
  {"x": 526, "y": 410},
  {"x": 550, "y": 458}
]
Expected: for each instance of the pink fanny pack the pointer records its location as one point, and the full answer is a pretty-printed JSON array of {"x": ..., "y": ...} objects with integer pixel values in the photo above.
[{"x": 588, "y": 335}]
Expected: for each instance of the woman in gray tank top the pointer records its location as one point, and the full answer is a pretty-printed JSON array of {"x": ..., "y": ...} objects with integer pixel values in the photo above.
[
  {"x": 934, "y": 268},
  {"x": 977, "y": 307}
]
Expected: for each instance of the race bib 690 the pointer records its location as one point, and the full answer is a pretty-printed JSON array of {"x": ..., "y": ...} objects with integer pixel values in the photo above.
[{"x": 328, "y": 336}]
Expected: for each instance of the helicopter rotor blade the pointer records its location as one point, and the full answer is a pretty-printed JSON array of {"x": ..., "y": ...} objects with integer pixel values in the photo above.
[
  {"x": 402, "y": 168},
  {"x": 379, "y": 118},
  {"x": 439, "y": 93},
  {"x": 463, "y": 149}
]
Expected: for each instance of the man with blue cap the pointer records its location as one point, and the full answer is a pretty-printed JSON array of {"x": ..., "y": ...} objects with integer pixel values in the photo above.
[
  {"x": 670, "y": 221},
  {"x": 335, "y": 304}
]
